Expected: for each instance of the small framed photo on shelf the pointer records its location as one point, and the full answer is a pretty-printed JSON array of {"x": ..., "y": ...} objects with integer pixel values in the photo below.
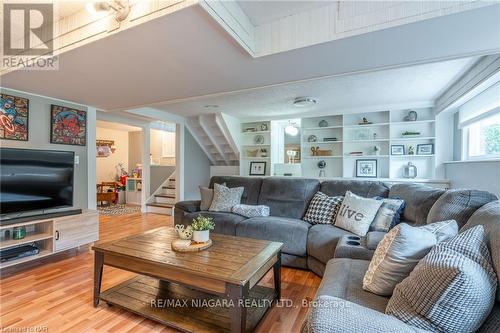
[
  {"x": 397, "y": 149},
  {"x": 361, "y": 134},
  {"x": 366, "y": 168},
  {"x": 425, "y": 149},
  {"x": 258, "y": 168}
]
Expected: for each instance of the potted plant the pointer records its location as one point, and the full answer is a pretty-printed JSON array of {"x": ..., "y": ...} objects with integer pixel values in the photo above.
[{"x": 201, "y": 228}]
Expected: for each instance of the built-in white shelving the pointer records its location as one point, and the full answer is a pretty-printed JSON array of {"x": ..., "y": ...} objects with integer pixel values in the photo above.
[{"x": 255, "y": 146}]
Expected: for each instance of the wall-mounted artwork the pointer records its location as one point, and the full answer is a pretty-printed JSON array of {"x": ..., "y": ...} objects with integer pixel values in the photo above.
[
  {"x": 105, "y": 148},
  {"x": 14, "y": 116},
  {"x": 68, "y": 126}
]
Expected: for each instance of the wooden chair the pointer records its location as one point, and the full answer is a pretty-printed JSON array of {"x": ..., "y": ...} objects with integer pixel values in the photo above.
[{"x": 107, "y": 196}]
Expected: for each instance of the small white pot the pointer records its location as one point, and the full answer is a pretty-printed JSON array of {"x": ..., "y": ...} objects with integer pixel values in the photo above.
[{"x": 201, "y": 236}]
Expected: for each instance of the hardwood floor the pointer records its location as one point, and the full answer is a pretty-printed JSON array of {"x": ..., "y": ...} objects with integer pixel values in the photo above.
[{"x": 57, "y": 297}]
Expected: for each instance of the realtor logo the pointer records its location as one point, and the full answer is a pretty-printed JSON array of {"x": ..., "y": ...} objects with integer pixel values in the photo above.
[{"x": 28, "y": 29}]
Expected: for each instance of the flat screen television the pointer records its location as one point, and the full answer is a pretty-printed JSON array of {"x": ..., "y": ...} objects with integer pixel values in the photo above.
[{"x": 35, "y": 180}]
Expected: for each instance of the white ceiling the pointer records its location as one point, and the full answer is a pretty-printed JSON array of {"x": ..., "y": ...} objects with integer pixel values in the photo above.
[
  {"x": 340, "y": 94},
  {"x": 265, "y": 11},
  {"x": 117, "y": 126}
]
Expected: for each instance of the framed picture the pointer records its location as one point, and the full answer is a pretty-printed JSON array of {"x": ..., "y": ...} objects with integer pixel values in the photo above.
[
  {"x": 425, "y": 149},
  {"x": 397, "y": 149},
  {"x": 14, "y": 117},
  {"x": 68, "y": 126},
  {"x": 258, "y": 168},
  {"x": 366, "y": 168},
  {"x": 361, "y": 134}
]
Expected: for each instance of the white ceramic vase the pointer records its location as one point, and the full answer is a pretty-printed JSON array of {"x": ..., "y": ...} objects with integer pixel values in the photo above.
[{"x": 201, "y": 236}]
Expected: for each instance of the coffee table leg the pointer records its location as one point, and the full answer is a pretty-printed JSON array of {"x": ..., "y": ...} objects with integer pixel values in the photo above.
[
  {"x": 277, "y": 277},
  {"x": 237, "y": 294},
  {"x": 98, "y": 264}
]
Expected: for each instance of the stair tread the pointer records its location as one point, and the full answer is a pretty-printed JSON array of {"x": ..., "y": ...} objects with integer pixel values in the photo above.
[
  {"x": 171, "y": 196},
  {"x": 169, "y": 187},
  {"x": 155, "y": 204}
]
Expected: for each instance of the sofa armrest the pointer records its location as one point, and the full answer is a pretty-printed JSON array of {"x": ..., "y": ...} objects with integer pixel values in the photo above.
[
  {"x": 373, "y": 238},
  {"x": 334, "y": 315},
  {"x": 189, "y": 206},
  {"x": 353, "y": 247}
]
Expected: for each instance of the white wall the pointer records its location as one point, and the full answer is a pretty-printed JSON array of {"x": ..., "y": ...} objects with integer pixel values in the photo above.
[
  {"x": 475, "y": 175},
  {"x": 106, "y": 166}
]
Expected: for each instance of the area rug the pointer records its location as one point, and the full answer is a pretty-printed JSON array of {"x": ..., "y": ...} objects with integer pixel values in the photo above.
[{"x": 120, "y": 209}]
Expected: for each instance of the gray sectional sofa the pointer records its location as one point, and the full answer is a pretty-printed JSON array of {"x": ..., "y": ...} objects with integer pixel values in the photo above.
[{"x": 337, "y": 255}]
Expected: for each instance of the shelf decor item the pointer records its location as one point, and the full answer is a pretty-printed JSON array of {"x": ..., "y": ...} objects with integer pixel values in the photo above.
[
  {"x": 264, "y": 127},
  {"x": 410, "y": 170},
  {"x": 411, "y": 150},
  {"x": 361, "y": 134},
  {"x": 323, "y": 123},
  {"x": 252, "y": 152},
  {"x": 376, "y": 150},
  {"x": 397, "y": 149},
  {"x": 259, "y": 140},
  {"x": 263, "y": 152},
  {"x": 184, "y": 232},
  {"x": 322, "y": 166},
  {"x": 321, "y": 152},
  {"x": 201, "y": 227},
  {"x": 250, "y": 129},
  {"x": 366, "y": 168},
  {"x": 425, "y": 149},
  {"x": 365, "y": 122},
  {"x": 412, "y": 116},
  {"x": 410, "y": 134},
  {"x": 19, "y": 232},
  {"x": 14, "y": 116},
  {"x": 312, "y": 138},
  {"x": 332, "y": 139},
  {"x": 68, "y": 126},
  {"x": 258, "y": 168}
]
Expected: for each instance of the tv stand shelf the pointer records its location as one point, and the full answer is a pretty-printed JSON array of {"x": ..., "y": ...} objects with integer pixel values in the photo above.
[{"x": 52, "y": 235}]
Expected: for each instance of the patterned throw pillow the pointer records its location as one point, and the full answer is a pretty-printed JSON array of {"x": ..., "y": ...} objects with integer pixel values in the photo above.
[
  {"x": 207, "y": 195},
  {"x": 357, "y": 213},
  {"x": 452, "y": 289},
  {"x": 225, "y": 198},
  {"x": 388, "y": 215},
  {"x": 251, "y": 210},
  {"x": 399, "y": 252},
  {"x": 323, "y": 209}
]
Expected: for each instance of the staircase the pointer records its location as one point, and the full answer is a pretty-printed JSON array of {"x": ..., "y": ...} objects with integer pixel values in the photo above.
[
  {"x": 213, "y": 136},
  {"x": 163, "y": 200}
]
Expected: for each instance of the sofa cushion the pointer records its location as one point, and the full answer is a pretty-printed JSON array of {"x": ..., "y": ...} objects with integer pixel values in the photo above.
[
  {"x": 400, "y": 251},
  {"x": 288, "y": 197},
  {"x": 189, "y": 206},
  {"x": 343, "y": 278},
  {"x": 418, "y": 200},
  {"x": 323, "y": 209},
  {"x": 291, "y": 232},
  {"x": 458, "y": 205},
  {"x": 452, "y": 289},
  {"x": 364, "y": 188},
  {"x": 356, "y": 213},
  {"x": 225, "y": 223},
  {"x": 489, "y": 217},
  {"x": 225, "y": 198},
  {"x": 322, "y": 241},
  {"x": 250, "y": 184}
]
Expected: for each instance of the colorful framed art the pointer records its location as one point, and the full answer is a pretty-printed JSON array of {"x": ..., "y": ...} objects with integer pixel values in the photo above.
[
  {"x": 14, "y": 118},
  {"x": 68, "y": 126}
]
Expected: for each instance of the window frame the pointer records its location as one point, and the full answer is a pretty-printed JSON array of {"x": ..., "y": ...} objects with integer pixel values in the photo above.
[{"x": 466, "y": 138}]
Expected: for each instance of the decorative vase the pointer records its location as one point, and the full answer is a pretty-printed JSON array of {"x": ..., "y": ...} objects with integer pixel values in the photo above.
[
  {"x": 201, "y": 236},
  {"x": 410, "y": 170},
  {"x": 19, "y": 232}
]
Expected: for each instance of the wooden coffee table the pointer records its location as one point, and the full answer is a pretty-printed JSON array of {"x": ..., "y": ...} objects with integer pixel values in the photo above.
[{"x": 214, "y": 290}]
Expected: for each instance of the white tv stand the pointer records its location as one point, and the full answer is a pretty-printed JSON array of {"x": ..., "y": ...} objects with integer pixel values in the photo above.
[{"x": 53, "y": 235}]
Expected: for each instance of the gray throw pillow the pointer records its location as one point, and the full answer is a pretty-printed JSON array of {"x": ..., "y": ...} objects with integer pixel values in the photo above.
[
  {"x": 225, "y": 198},
  {"x": 207, "y": 195},
  {"x": 356, "y": 213},
  {"x": 399, "y": 252},
  {"x": 452, "y": 289}
]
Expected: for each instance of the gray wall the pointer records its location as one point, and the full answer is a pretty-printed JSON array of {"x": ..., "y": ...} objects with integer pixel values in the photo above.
[
  {"x": 475, "y": 175},
  {"x": 39, "y": 138},
  {"x": 196, "y": 168},
  {"x": 158, "y": 175}
]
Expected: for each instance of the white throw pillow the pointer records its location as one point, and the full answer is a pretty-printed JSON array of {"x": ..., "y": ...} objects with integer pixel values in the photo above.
[
  {"x": 251, "y": 210},
  {"x": 357, "y": 213},
  {"x": 400, "y": 251},
  {"x": 207, "y": 195}
]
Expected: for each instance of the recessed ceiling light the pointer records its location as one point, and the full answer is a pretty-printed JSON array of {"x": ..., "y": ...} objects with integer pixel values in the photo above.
[
  {"x": 211, "y": 106},
  {"x": 304, "y": 101}
]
